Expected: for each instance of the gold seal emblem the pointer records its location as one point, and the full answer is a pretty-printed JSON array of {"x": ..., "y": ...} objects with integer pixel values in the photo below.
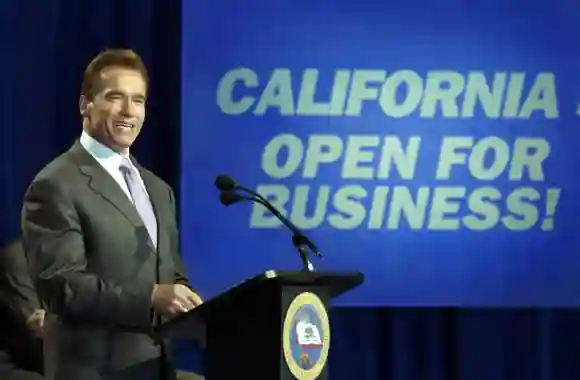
[{"x": 306, "y": 336}]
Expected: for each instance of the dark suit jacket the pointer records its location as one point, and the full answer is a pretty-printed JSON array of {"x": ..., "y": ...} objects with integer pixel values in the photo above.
[
  {"x": 20, "y": 351},
  {"x": 95, "y": 267}
]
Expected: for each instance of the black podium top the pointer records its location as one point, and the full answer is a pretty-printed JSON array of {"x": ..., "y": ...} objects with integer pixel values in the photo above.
[
  {"x": 335, "y": 282},
  {"x": 190, "y": 325}
]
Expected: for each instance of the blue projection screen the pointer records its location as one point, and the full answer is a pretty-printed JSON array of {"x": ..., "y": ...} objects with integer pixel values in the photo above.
[{"x": 434, "y": 148}]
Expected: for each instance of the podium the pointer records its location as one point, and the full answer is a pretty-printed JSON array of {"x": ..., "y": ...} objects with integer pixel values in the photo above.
[{"x": 272, "y": 326}]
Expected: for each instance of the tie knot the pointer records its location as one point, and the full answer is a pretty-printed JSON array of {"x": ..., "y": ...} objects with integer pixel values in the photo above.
[{"x": 126, "y": 166}]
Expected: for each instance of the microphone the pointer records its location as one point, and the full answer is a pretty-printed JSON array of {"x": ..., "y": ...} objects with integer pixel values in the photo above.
[
  {"x": 228, "y": 196},
  {"x": 225, "y": 183}
]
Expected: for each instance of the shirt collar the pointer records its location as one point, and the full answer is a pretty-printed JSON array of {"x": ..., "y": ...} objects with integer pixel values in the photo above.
[{"x": 107, "y": 157}]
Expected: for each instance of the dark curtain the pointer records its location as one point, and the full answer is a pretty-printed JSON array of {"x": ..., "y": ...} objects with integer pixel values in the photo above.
[
  {"x": 46, "y": 46},
  {"x": 448, "y": 344}
]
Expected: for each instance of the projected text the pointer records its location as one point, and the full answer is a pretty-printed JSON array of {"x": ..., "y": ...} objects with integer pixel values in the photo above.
[{"x": 372, "y": 202}]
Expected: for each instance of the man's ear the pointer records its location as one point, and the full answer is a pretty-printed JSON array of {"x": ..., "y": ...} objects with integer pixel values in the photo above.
[{"x": 84, "y": 106}]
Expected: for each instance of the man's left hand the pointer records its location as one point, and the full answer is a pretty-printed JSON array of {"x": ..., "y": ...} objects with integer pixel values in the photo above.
[{"x": 35, "y": 322}]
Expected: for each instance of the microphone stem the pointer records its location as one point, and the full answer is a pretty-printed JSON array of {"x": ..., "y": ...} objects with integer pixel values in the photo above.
[
  {"x": 302, "y": 248},
  {"x": 299, "y": 240},
  {"x": 277, "y": 214}
]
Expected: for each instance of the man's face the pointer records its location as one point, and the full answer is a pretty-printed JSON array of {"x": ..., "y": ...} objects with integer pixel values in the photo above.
[{"x": 117, "y": 111}]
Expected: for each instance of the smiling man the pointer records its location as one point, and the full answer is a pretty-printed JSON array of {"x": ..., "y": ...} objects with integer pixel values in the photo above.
[{"x": 101, "y": 238}]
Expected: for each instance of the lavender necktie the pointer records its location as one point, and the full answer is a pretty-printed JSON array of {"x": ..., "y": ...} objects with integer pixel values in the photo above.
[{"x": 140, "y": 199}]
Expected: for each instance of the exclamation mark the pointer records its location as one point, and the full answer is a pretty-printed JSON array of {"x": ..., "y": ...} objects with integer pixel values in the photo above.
[{"x": 552, "y": 198}]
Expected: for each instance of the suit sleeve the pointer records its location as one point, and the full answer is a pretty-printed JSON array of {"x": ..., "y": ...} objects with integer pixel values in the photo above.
[
  {"x": 180, "y": 272},
  {"x": 54, "y": 243},
  {"x": 20, "y": 295}
]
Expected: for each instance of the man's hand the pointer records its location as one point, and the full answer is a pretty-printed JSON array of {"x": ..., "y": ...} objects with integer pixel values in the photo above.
[
  {"x": 35, "y": 322},
  {"x": 174, "y": 299}
]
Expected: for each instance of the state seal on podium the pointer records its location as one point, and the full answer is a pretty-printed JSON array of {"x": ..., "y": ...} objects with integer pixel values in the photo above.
[{"x": 306, "y": 336}]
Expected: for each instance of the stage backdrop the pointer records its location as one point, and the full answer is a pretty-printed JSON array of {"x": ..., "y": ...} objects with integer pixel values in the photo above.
[{"x": 433, "y": 147}]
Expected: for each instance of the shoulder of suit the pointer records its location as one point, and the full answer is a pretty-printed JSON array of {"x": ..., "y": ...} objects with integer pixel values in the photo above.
[
  {"x": 154, "y": 177},
  {"x": 61, "y": 170}
]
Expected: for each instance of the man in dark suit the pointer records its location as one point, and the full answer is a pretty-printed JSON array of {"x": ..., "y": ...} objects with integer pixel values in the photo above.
[
  {"x": 21, "y": 318},
  {"x": 101, "y": 237}
]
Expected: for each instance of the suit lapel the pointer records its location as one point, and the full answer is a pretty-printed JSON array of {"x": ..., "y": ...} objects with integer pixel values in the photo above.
[
  {"x": 157, "y": 195},
  {"x": 103, "y": 184}
]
